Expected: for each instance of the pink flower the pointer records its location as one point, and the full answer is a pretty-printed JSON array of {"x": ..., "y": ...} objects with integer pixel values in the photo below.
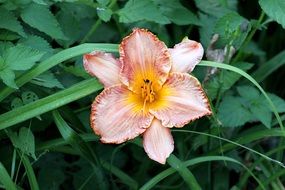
[{"x": 147, "y": 91}]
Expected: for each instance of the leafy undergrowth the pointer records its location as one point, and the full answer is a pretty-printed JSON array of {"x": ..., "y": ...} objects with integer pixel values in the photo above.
[{"x": 45, "y": 95}]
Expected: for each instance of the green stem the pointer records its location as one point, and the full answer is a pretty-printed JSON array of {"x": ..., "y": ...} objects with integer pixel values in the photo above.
[
  {"x": 96, "y": 25},
  {"x": 249, "y": 37}
]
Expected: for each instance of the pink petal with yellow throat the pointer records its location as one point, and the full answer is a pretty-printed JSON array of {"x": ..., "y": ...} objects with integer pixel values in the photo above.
[
  {"x": 186, "y": 55},
  {"x": 158, "y": 142},
  {"x": 184, "y": 100},
  {"x": 143, "y": 57},
  {"x": 103, "y": 66},
  {"x": 115, "y": 118}
]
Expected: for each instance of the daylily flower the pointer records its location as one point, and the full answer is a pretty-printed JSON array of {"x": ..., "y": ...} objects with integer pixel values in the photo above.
[{"x": 147, "y": 91}]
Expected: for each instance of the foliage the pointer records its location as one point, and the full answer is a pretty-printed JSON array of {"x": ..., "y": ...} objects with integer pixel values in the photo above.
[{"x": 45, "y": 95}]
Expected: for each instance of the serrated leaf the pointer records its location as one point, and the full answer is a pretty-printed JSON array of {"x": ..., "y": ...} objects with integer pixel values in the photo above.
[
  {"x": 21, "y": 57},
  {"x": 248, "y": 92},
  {"x": 262, "y": 113},
  {"x": 278, "y": 102},
  {"x": 40, "y": 17},
  {"x": 216, "y": 8},
  {"x": 36, "y": 42},
  {"x": 275, "y": 9},
  {"x": 70, "y": 26},
  {"x": 137, "y": 10},
  {"x": 104, "y": 13},
  {"x": 48, "y": 80},
  {"x": 24, "y": 140},
  {"x": 8, "y": 77},
  {"x": 9, "y": 21},
  {"x": 176, "y": 13},
  {"x": 232, "y": 113}
]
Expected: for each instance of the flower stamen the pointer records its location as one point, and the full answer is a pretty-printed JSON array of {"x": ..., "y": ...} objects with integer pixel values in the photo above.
[{"x": 147, "y": 93}]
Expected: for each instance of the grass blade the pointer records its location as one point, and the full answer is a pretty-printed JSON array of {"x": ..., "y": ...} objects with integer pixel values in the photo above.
[
  {"x": 5, "y": 179},
  {"x": 247, "y": 76},
  {"x": 30, "y": 173},
  {"x": 151, "y": 183},
  {"x": 49, "y": 103},
  {"x": 54, "y": 60},
  {"x": 188, "y": 177}
]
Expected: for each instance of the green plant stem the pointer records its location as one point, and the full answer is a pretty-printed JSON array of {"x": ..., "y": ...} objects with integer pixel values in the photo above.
[
  {"x": 96, "y": 24},
  {"x": 249, "y": 37}
]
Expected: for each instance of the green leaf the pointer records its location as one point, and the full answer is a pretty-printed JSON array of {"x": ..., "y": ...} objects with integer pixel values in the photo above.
[
  {"x": 41, "y": 2},
  {"x": 278, "y": 102},
  {"x": 5, "y": 179},
  {"x": 206, "y": 30},
  {"x": 48, "y": 80},
  {"x": 232, "y": 113},
  {"x": 55, "y": 60},
  {"x": 269, "y": 67},
  {"x": 176, "y": 13},
  {"x": 103, "y": 2},
  {"x": 36, "y": 42},
  {"x": 104, "y": 13},
  {"x": 248, "y": 92},
  {"x": 39, "y": 17},
  {"x": 262, "y": 113},
  {"x": 30, "y": 173},
  {"x": 29, "y": 97},
  {"x": 137, "y": 10},
  {"x": 217, "y": 8},
  {"x": 10, "y": 22},
  {"x": 275, "y": 9},
  {"x": 228, "y": 79},
  {"x": 8, "y": 77},
  {"x": 21, "y": 57},
  {"x": 24, "y": 140},
  {"x": 232, "y": 29}
]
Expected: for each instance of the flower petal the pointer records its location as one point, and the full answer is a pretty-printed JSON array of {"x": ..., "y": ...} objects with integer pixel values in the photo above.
[
  {"x": 104, "y": 66},
  {"x": 158, "y": 142},
  {"x": 115, "y": 118},
  {"x": 186, "y": 55},
  {"x": 143, "y": 57},
  {"x": 182, "y": 100}
]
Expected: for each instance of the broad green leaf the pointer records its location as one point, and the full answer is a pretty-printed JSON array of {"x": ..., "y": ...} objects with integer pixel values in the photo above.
[
  {"x": 70, "y": 26},
  {"x": 232, "y": 113},
  {"x": 24, "y": 140},
  {"x": 232, "y": 29},
  {"x": 39, "y": 17},
  {"x": 206, "y": 30},
  {"x": 21, "y": 57},
  {"x": 10, "y": 22},
  {"x": 275, "y": 9},
  {"x": 278, "y": 102},
  {"x": 41, "y": 2},
  {"x": 55, "y": 60},
  {"x": 104, "y": 13},
  {"x": 137, "y": 10},
  {"x": 7, "y": 35},
  {"x": 48, "y": 80},
  {"x": 176, "y": 13},
  {"x": 8, "y": 77},
  {"x": 217, "y": 8},
  {"x": 248, "y": 92},
  {"x": 36, "y": 42},
  {"x": 262, "y": 113},
  {"x": 228, "y": 79}
]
